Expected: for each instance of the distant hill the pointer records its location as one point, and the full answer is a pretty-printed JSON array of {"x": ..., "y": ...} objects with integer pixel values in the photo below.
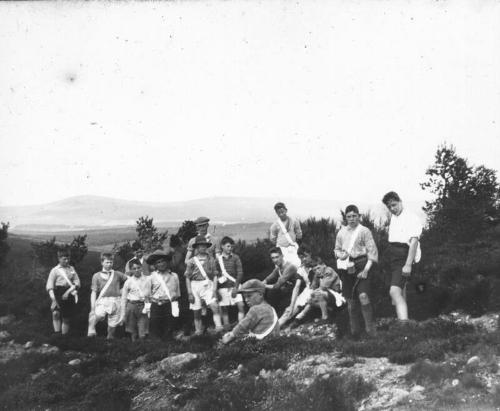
[{"x": 84, "y": 212}]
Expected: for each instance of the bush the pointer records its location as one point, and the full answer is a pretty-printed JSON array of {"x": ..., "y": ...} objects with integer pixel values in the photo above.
[{"x": 424, "y": 372}]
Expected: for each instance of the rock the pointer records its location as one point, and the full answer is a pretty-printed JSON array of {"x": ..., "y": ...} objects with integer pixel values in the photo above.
[
  {"x": 322, "y": 369},
  {"x": 74, "y": 362},
  {"x": 325, "y": 376},
  {"x": 417, "y": 388},
  {"x": 399, "y": 395},
  {"x": 4, "y": 335},
  {"x": 75, "y": 375},
  {"x": 7, "y": 319},
  {"x": 141, "y": 359},
  {"x": 29, "y": 344},
  {"x": 473, "y": 362},
  {"x": 176, "y": 362},
  {"x": 455, "y": 382},
  {"x": 48, "y": 349}
]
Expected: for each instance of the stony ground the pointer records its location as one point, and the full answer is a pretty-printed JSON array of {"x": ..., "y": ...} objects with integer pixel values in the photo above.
[{"x": 465, "y": 378}]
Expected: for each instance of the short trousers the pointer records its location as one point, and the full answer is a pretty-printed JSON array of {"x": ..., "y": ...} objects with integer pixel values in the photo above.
[
  {"x": 352, "y": 285},
  {"x": 109, "y": 306},
  {"x": 135, "y": 321},
  {"x": 226, "y": 299},
  {"x": 202, "y": 291},
  {"x": 303, "y": 297},
  {"x": 290, "y": 255},
  {"x": 397, "y": 255},
  {"x": 66, "y": 307}
]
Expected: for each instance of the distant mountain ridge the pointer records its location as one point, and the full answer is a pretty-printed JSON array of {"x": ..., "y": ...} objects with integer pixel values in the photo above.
[{"x": 95, "y": 211}]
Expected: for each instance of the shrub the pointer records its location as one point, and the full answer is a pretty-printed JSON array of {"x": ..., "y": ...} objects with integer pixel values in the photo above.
[{"x": 424, "y": 372}]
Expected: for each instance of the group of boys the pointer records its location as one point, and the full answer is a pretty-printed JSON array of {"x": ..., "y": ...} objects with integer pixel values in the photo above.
[{"x": 149, "y": 297}]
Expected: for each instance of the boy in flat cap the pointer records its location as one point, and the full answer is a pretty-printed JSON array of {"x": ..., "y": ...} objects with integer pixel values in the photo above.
[
  {"x": 165, "y": 293},
  {"x": 201, "y": 283},
  {"x": 261, "y": 319},
  {"x": 202, "y": 228}
]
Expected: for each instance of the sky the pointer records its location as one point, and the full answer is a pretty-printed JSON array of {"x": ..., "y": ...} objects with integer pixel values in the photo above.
[{"x": 167, "y": 101}]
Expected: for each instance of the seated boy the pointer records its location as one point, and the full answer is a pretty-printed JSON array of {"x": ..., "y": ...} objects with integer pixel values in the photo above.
[
  {"x": 231, "y": 270},
  {"x": 62, "y": 286},
  {"x": 105, "y": 298},
  {"x": 135, "y": 294},
  {"x": 201, "y": 283},
  {"x": 285, "y": 287},
  {"x": 326, "y": 288},
  {"x": 261, "y": 319},
  {"x": 165, "y": 293}
]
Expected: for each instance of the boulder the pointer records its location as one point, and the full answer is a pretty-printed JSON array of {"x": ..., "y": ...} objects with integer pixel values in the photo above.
[
  {"x": 29, "y": 344},
  {"x": 176, "y": 362},
  {"x": 76, "y": 361},
  {"x": 7, "y": 319},
  {"x": 473, "y": 362},
  {"x": 4, "y": 335}
]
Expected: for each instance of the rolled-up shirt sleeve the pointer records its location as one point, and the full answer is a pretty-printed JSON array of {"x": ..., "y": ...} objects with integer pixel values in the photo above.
[
  {"x": 371, "y": 247},
  {"x": 297, "y": 229}
]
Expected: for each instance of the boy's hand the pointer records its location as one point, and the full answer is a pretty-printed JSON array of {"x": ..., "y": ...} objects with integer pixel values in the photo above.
[
  {"x": 54, "y": 306},
  {"x": 191, "y": 298},
  {"x": 227, "y": 338},
  {"x": 406, "y": 270},
  {"x": 234, "y": 293},
  {"x": 363, "y": 275}
]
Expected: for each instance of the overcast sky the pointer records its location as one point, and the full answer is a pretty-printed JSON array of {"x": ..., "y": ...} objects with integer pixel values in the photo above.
[{"x": 181, "y": 100}]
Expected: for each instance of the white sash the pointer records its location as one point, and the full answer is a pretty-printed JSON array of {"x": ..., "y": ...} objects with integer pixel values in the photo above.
[
  {"x": 173, "y": 304},
  {"x": 200, "y": 267},
  {"x": 344, "y": 264},
  {"x": 108, "y": 283},
  {"x": 287, "y": 235},
  {"x": 61, "y": 271},
  {"x": 224, "y": 272},
  {"x": 260, "y": 336}
]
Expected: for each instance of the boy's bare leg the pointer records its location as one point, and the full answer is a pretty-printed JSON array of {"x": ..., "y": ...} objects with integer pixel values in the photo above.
[
  {"x": 56, "y": 321},
  {"x": 65, "y": 326},
  {"x": 225, "y": 315},
  {"x": 323, "y": 307},
  {"x": 92, "y": 322},
  {"x": 352, "y": 307},
  {"x": 241, "y": 311},
  {"x": 400, "y": 302},
  {"x": 198, "y": 323},
  {"x": 367, "y": 311},
  {"x": 111, "y": 333},
  {"x": 216, "y": 316},
  {"x": 304, "y": 312}
]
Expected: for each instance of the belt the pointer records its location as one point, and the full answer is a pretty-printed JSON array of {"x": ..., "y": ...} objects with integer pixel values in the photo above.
[
  {"x": 138, "y": 302},
  {"x": 161, "y": 302}
]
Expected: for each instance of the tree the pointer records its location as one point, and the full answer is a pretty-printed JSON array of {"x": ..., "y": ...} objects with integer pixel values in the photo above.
[
  {"x": 46, "y": 251},
  {"x": 464, "y": 196},
  {"x": 187, "y": 231},
  {"x": 4, "y": 246},
  {"x": 148, "y": 235}
]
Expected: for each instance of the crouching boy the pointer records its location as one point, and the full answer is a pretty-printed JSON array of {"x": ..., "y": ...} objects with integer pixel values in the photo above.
[
  {"x": 135, "y": 295},
  {"x": 105, "y": 296},
  {"x": 165, "y": 293},
  {"x": 201, "y": 283},
  {"x": 231, "y": 270},
  {"x": 326, "y": 288},
  {"x": 62, "y": 286},
  {"x": 261, "y": 319}
]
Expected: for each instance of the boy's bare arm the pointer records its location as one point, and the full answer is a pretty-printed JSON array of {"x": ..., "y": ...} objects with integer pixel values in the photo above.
[{"x": 93, "y": 298}]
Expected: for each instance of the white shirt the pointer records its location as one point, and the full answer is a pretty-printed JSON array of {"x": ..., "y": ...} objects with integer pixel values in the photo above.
[{"x": 403, "y": 227}]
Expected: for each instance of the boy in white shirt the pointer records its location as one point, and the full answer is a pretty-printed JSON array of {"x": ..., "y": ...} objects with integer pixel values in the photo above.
[{"x": 404, "y": 250}]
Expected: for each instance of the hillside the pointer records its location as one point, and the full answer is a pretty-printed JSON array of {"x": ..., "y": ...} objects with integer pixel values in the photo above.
[{"x": 83, "y": 212}]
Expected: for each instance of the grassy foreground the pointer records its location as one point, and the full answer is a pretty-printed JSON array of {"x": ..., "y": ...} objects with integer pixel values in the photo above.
[{"x": 250, "y": 375}]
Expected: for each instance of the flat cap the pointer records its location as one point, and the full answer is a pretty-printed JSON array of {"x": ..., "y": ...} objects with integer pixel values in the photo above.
[{"x": 251, "y": 286}]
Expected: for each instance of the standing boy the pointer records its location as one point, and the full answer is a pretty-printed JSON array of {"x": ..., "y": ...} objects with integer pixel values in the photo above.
[
  {"x": 105, "y": 298},
  {"x": 201, "y": 283},
  {"x": 231, "y": 269},
  {"x": 138, "y": 255},
  {"x": 286, "y": 234},
  {"x": 285, "y": 287},
  {"x": 135, "y": 295},
  {"x": 202, "y": 229},
  {"x": 261, "y": 319},
  {"x": 403, "y": 252},
  {"x": 62, "y": 286},
  {"x": 165, "y": 293}
]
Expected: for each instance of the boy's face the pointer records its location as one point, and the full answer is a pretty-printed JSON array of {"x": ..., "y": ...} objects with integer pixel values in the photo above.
[
  {"x": 352, "y": 218},
  {"x": 281, "y": 213},
  {"x": 202, "y": 228},
  {"x": 277, "y": 258},
  {"x": 305, "y": 259},
  {"x": 253, "y": 298},
  {"x": 136, "y": 270},
  {"x": 227, "y": 248},
  {"x": 107, "y": 264},
  {"x": 64, "y": 261},
  {"x": 202, "y": 249},
  {"x": 138, "y": 254},
  {"x": 395, "y": 207},
  {"x": 161, "y": 265},
  {"x": 317, "y": 269}
]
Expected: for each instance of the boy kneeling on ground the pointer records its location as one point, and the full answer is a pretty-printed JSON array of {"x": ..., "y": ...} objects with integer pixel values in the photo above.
[
  {"x": 261, "y": 320},
  {"x": 201, "y": 283},
  {"x": 326, "y": 291},
  {"x": 105, "y": 299}
]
